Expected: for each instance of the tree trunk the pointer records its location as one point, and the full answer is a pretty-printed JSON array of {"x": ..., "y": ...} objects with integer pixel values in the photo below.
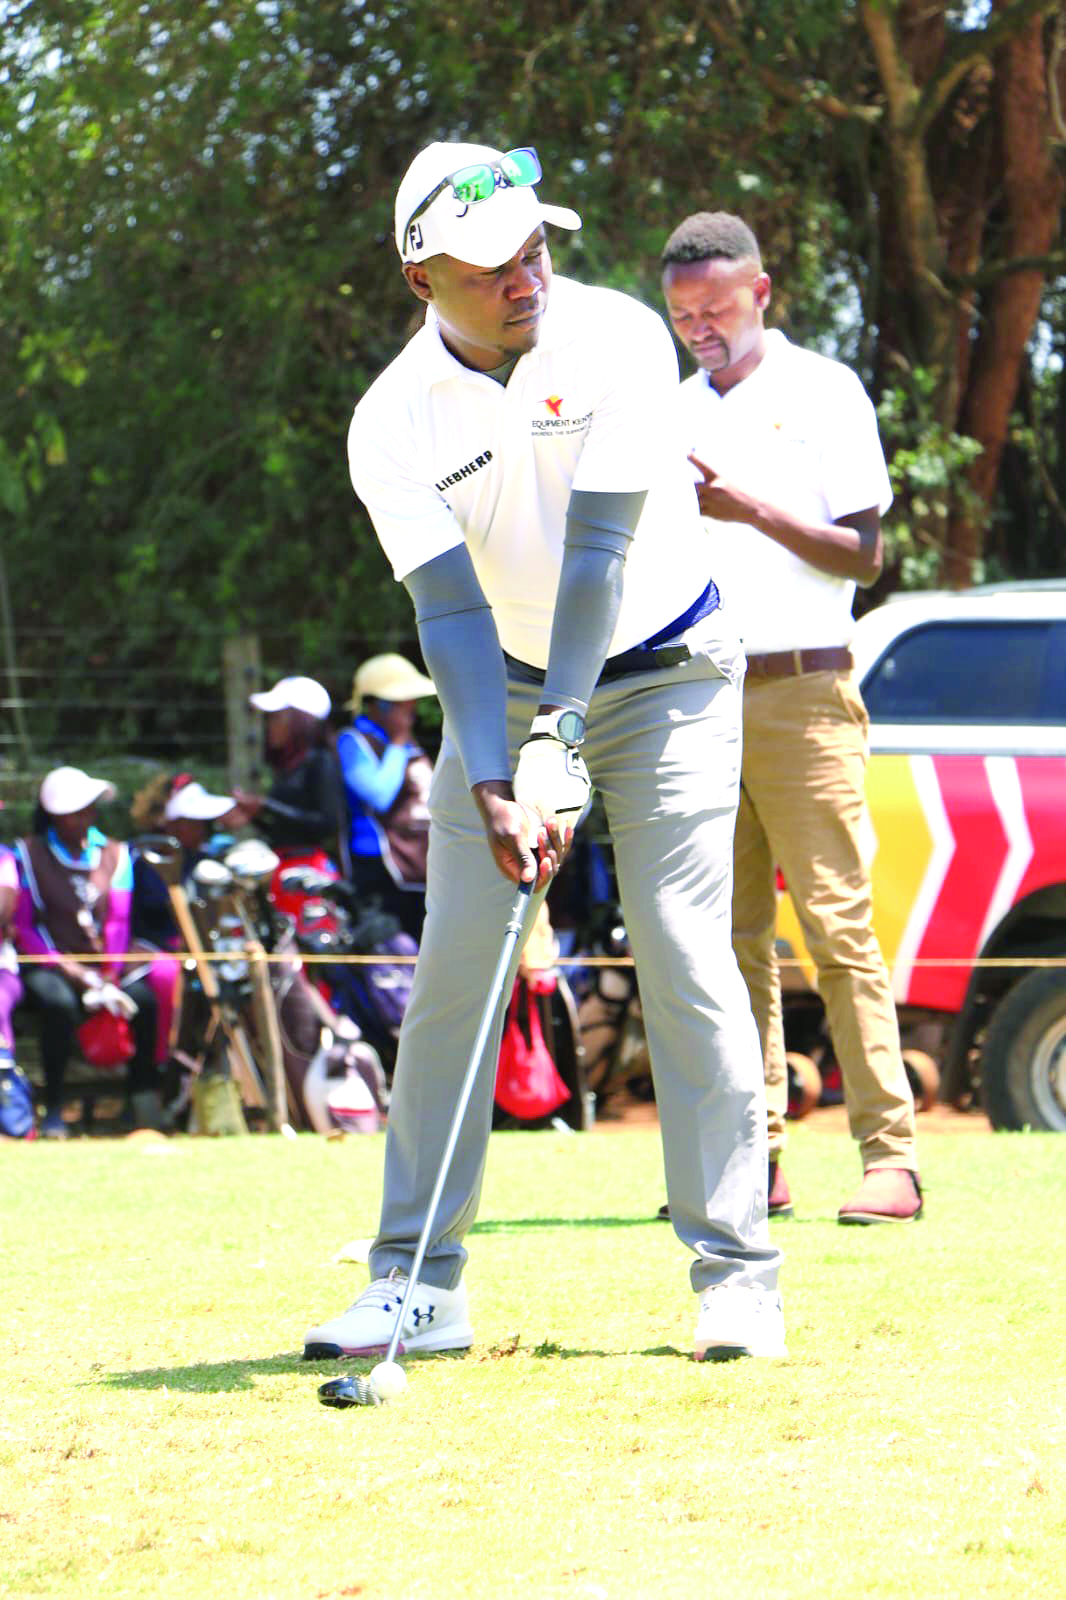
[{"x": 1032, "y": 194}]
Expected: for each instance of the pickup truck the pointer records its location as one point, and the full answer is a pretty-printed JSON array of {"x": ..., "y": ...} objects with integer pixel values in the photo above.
[{"x": 966, "y": 840}]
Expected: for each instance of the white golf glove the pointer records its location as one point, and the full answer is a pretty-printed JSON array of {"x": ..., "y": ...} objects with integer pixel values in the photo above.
[
  {"x": 109, "y": 997},
  {"x": 551, "y": 778}
]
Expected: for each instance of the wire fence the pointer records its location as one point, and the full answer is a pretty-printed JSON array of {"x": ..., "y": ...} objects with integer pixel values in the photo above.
[
  {"x": 140, "y": 696},
  {"x": 127, "y": 706}
]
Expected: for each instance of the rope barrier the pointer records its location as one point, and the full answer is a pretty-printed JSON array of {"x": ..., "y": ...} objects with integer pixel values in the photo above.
[{"x": 241, "y": 952}]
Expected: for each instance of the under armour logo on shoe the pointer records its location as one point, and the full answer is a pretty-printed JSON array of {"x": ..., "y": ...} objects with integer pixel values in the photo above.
[{"x": 418, "y": 1316}]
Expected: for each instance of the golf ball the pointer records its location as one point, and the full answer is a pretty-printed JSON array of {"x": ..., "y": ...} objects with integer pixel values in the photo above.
[{"x": 388, "y": 1380}]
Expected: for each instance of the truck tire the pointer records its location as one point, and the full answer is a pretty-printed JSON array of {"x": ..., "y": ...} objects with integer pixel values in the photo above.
[
  {"x": 804, "y": 1085},
  {"x": 923, "y": 1075},
  {"x": 1023, "y": 1062}
]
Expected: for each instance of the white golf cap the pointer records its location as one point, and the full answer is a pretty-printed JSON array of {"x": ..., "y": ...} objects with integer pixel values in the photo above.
[
  {"x": 388, "y": 677},
  {"x": 487, "y": 233},
  {"x": 294, "y": 694},
  {"x": 192, "y": 803},
  {"x": 68, "y": 789}
]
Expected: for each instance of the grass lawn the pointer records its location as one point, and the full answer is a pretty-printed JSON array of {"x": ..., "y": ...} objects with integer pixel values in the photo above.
[{"x": 160, "y": 1436}]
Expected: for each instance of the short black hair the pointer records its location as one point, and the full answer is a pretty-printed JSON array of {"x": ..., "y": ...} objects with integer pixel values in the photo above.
[{"x": 711, "y": 236}]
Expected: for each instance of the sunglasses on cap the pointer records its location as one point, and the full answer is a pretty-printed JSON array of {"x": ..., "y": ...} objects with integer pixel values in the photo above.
[{"x": 517, "y": 169}]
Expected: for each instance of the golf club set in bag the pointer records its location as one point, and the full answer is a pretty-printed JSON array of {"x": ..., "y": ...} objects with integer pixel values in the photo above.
[{"x": 257, "y": 1040}]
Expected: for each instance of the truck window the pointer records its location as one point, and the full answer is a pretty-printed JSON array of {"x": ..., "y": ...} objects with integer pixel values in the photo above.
[{"x": 989, "y": 671}]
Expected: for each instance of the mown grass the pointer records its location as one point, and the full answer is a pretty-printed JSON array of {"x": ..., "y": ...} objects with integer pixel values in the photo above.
[{"x": 159, "y": 1434}]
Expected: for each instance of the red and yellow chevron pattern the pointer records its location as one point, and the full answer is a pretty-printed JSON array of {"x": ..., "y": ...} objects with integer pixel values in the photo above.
[{"x": 954, "y": 842}]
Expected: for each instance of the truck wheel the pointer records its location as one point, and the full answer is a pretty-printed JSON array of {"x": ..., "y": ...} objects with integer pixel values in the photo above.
[
  {"x": 1023, "y": 1062},
  {"x": 804, "y": 1085},
  {"x": 924, "y": 1077}
]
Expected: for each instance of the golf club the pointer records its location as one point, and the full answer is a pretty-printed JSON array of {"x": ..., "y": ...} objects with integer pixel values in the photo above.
[{"x": 387, "y": 1379}]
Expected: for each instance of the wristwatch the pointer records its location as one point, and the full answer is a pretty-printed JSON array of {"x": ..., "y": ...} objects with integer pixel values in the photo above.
[{"x": 567, "y": 726}]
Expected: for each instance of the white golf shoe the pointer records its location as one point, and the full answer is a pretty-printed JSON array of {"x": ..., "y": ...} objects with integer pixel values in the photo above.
[
  {"x": 436, "y": 1320},
  {"x": 739, "y": 1320}
]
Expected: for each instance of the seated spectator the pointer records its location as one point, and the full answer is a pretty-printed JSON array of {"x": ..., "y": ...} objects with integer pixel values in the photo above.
[
  {"x": 75, "y": 890},
  {"x": 181, "y": 807},
  {"x": 386, "y": 778},
  {"x": 10, "y": 987},
  {"x": 302, "y": 816}
]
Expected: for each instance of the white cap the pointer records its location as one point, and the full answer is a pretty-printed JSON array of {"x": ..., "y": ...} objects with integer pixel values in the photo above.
[
  {"x": 69, "y": 789},
  {"x": 388, "y": 677},
  {"x": 487, "y": 233},
  {"x": 192, "y": 803},
  {"x": 294, "y": 694}
]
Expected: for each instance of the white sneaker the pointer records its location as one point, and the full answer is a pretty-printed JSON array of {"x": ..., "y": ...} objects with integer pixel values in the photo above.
[
  {"x": 436, "y": 1320},
  {"x": 739, "y": 1320}
]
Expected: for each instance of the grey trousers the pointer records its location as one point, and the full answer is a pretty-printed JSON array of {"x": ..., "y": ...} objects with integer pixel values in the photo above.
[{"x": 664, "y": 751}]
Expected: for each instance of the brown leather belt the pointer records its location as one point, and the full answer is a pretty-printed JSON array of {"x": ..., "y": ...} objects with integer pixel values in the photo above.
[{"x": 792, "y": 663}]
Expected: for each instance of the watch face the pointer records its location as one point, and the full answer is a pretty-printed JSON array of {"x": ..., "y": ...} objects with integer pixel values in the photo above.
[{"x": 571, "y": 726}]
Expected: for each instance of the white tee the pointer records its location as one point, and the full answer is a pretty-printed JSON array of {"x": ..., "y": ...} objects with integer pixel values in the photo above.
[
  {"x": 440, "y": 454},
  {"x": 800, "y": 432}
]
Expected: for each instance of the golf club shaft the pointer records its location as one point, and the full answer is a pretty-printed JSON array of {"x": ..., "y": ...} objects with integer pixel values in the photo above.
[{"x": 512, "y": 935}]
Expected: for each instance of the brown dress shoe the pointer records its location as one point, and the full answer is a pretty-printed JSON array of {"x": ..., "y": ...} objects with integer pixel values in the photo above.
[
  {"x": 779, "y": 1201},
  {"x": 886, "y": 1194}
]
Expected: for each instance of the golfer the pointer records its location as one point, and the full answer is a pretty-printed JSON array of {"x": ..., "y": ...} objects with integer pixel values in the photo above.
[{"x": 519, "y": 465}]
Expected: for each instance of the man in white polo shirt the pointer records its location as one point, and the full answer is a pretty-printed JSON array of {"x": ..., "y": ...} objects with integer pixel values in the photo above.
[
  {"x": 792, "y": 480},
  {"x": 517, "y": 462}
]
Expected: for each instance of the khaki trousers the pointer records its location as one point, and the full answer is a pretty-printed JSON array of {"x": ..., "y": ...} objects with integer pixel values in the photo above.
[{"x": 801, "y": 807}]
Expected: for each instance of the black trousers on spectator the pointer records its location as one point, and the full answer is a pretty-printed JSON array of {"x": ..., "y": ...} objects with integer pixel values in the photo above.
[
  {"x": 373, "y": 880},
  {"x": 59, "y": 1009}
]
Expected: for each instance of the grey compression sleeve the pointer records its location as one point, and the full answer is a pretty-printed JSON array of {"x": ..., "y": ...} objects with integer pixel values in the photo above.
[
  {"x": 599, "y": 531},
  {"x": 459, "y": 641}
]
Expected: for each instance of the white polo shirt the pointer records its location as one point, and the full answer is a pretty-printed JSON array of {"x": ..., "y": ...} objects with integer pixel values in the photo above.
[
  {"x": 800, "y": 432},
  {"x": 440, "y": 454}
]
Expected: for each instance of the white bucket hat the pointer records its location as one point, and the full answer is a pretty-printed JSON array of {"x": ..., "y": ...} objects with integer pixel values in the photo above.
[
  {"x": 388, "y": 677},
  {"x": 65, "y": 790},
  {"x": 294, "y": 694},
  {"x": 486, "y": 233},
  {"x": 192, "y": 803}
]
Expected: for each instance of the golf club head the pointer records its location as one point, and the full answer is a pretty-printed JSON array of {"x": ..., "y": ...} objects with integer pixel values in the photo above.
[
  {"x": 304, "y": 880},
  {"x": 344, "y": 1392},
  {"x": 211, "y": 877},
  {"x": 163, "y": 852},
  {"x": 252, "y": 863}
]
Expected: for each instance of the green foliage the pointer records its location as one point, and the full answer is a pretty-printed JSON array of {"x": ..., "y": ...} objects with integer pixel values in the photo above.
[
  {"x": 927, "y": 466},
  {"x": 197, "y": 278}
]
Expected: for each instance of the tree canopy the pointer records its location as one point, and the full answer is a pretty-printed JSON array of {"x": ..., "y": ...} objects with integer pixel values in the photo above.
[{"x": 197, "y": 278}]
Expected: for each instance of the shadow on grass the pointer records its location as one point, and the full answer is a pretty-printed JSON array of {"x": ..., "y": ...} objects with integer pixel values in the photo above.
[
  {"x": 209, "y": 1377},
  {"x": 520, "y": 1224},
  {"x": 222, "y": 1377},
  {"x": 227, "y": 1377}
]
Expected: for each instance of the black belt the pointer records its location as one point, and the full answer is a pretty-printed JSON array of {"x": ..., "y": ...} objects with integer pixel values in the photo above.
[
  {"x": 652, "y": 656},
  {"x": 644, "y": 658}
]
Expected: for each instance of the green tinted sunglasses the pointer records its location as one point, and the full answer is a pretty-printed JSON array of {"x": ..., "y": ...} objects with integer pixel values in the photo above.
[{"x": 515, "y": 170}]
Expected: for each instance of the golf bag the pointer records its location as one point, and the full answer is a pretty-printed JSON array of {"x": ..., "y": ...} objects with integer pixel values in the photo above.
[
  {"x": 17, "y": 1119},
  {"x": 344, "y": 1088},
  {"x": 374, "y": 994},
  {"x": 528, "y": 1085}
]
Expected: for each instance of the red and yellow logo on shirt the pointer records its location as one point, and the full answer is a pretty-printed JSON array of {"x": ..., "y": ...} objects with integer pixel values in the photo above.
[{"x": 554, "y": 403}]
